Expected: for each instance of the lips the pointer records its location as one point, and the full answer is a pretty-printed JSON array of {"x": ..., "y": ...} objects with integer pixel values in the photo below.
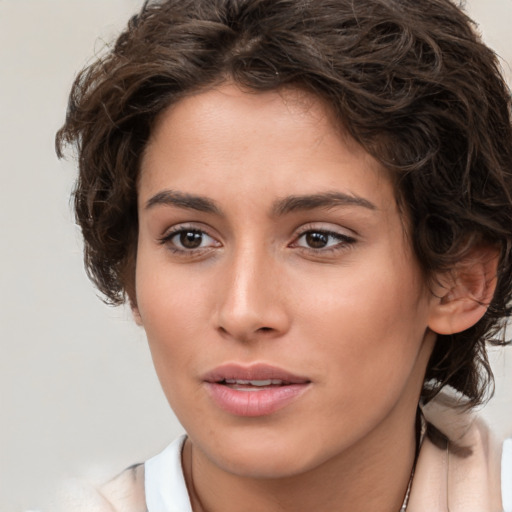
[{"x": 256, "y": 390}]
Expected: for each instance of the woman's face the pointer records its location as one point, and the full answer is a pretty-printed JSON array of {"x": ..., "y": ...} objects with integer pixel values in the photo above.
[{"x": 286, "y": 314}]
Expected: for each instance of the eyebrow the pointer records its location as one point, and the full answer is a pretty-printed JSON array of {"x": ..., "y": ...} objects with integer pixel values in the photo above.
[
  {"x": 281, "y": 206},
  {"x": 183, "y": 200},
  {"x": 323, "y": 200}
]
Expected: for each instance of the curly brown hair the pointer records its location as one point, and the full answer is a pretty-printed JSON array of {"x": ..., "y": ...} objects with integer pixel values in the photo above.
[{"x": 411, "y": 82}]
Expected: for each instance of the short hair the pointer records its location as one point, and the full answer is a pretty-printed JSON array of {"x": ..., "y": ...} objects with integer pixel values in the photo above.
[{"x": 410, "y": 81}]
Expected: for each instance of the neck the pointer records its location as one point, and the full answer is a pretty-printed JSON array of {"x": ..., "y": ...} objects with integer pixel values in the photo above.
[{"x": 373, "y": 475}]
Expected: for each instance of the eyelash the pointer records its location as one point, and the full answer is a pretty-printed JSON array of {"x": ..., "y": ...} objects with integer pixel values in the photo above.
[
  {"x": 167, "y": 240},
  {"x": 342, "y": 241}
]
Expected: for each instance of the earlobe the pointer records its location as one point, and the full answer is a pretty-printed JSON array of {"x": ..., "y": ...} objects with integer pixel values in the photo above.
[{"x": 462, "y": 296}]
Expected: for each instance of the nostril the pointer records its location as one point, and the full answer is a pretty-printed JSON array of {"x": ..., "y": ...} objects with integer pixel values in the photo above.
[{"x": 265, "y": 329}]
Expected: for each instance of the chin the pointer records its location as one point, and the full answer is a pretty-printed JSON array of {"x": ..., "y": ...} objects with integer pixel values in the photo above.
[
  {"x": 263, "y": 465},
  {"x": 268, "y": 455}
]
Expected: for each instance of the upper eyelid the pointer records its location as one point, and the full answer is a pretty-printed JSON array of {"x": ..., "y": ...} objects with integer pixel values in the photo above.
[
  {"x": 325, "y": 227},
  {"x": 334, "y": 234},
  {"x": 183, "y": 226}
]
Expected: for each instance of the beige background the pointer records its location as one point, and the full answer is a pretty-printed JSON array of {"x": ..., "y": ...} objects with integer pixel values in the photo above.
[{"x": 77, "y": 392}]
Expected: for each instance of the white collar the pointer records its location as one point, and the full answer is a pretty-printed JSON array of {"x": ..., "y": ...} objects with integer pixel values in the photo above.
[{"x": 164, "y": 482}]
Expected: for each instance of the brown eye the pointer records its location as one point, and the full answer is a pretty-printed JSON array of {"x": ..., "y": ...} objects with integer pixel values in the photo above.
[
  {"x": 320, "y": 240},
  {"x": 191, "y": 239},
  {"x": 316, "y": 240}
]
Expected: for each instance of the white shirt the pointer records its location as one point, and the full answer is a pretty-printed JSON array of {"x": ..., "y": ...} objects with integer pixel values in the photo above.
[{"x": 166, "y": 490}]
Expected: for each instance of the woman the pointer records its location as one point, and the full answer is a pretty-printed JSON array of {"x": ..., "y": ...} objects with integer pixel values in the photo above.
[{"x": 308, "y": 206}]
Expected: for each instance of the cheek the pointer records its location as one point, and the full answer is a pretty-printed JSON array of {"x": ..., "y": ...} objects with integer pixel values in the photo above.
[
  {"x": 167, "y": 306},
  {"x": 165, "y": 294},
  {"x": 370, "y": 322},
  {"x": 172, "y": 329}
]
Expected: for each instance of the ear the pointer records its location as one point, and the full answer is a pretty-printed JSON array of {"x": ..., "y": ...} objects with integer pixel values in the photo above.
[{"x": 462, "y": 296}]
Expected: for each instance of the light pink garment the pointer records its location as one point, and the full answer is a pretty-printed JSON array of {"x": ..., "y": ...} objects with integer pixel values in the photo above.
[{"x": 464, "y": 474}]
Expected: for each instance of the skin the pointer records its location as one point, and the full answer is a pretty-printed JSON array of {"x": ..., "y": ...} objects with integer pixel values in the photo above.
[{"x": 352, "y": 316}]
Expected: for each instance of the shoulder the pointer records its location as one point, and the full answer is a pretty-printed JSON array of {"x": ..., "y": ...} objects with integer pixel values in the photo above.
[
  {"x": 157, "y": 484},
  {"x": 124, "y": 493},
  {"x": 458, "y": 467}
]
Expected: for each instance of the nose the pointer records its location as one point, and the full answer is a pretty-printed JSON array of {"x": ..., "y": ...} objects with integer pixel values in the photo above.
[{"x": 252, "y": 302}]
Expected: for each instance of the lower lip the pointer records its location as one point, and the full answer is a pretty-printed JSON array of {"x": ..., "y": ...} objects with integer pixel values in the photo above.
[{"x": 260, "y": 402}]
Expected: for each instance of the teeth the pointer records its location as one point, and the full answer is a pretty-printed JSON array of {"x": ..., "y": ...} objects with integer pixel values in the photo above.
[{"x": 260, "y": 383}]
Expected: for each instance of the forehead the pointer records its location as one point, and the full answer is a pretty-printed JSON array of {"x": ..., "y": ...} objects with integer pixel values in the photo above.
[{"x": 287, "y": 140}]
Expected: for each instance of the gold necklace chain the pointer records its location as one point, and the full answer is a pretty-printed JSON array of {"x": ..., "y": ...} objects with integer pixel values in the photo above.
[
  {"x": 421, "y": 426},
  {"x": 403, "y": 508}
]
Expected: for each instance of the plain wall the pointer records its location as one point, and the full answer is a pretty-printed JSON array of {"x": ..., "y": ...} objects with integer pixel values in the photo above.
[{"x": 78, "y": 392}]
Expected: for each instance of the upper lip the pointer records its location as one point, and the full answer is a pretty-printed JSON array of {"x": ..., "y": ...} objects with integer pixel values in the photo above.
[{"x": 258, "y": 371}]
